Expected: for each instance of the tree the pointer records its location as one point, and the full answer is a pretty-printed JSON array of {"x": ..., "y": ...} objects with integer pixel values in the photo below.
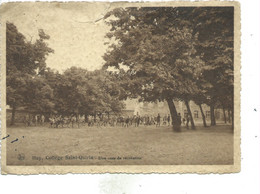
[
  {"x": 109, "y": 94},
  {"x": 39, "y": 96},
  {"x": 157, "y": 52},
  {"x": 215, "y": 27},
  {"x": 24, "y": 61},
  {"x": 81, "y": 92}
]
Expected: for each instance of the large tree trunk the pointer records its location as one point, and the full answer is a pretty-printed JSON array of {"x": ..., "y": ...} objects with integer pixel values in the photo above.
[
  {"x": 174, "y": 116},
  {"x": 212, "y": 115},
  {"x": 203, "y": 116},
  {"x": 189, "y": 112},
  {"x": 224, "y": 114},
  {"x": 13, "y": 114}
]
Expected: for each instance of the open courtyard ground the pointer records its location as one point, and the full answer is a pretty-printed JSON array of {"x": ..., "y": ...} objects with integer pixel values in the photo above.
[{"x": 145, "y": 145}]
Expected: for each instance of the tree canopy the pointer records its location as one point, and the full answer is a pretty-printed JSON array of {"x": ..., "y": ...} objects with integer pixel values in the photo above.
[
  {"x": 25, "y": 63},
  {"x": 173, "y": 53}
]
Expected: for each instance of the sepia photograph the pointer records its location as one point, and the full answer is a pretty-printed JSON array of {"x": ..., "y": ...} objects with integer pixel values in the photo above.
[{"x": 120, "y": 87}]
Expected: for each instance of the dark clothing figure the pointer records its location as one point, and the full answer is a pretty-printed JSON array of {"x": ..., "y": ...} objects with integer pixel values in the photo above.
[
  {"x": 137, "y": 121},
  {"x": 127, "y": 122},
  {"x": 158, "y": 119},
  {"x": 188, "y": 121}
]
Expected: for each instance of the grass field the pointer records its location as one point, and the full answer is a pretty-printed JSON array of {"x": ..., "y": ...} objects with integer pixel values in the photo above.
[{"x": 119, "y": 146}]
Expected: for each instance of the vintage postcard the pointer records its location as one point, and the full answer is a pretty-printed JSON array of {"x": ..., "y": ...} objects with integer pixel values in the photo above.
[{"x": 122, "y": 87}]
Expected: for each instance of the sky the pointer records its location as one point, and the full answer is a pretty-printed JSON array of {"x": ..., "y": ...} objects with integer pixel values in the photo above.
[{"x": 76, "y": 39}]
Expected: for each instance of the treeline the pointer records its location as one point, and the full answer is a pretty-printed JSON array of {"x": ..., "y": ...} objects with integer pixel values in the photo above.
[
  {"x": 167, "y": 54},
  {"x": 40, "y": 90}
]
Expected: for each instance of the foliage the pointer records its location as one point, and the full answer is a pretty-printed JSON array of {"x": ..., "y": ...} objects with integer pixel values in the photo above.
[
  {"x": 159, "y": 55},
  {"x": 25, "y": 62}
]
